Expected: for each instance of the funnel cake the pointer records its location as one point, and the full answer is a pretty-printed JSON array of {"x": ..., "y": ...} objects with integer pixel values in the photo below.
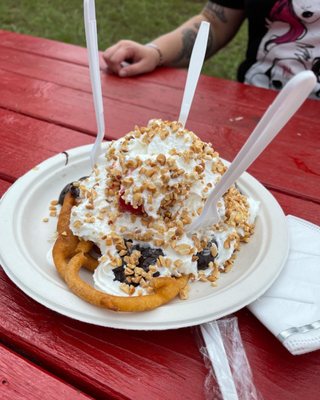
[
  {"x": 71, "y": 254},
  {"x": 134, "y": 208}
]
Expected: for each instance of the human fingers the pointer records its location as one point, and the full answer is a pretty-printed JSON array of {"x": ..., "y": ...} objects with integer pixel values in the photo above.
[
  {"x": 142, "y": 66},
  {"x": 145, "y": 59},
  {"x": 129, "y": 58},
  {"x": 119, "y": 53}
]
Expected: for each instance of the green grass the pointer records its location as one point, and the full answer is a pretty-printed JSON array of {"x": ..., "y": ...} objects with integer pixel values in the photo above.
[{"x": 140, "y": 20}]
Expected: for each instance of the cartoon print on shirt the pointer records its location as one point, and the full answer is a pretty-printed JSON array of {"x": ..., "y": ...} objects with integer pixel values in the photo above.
[{"x": 291, "y": 45}]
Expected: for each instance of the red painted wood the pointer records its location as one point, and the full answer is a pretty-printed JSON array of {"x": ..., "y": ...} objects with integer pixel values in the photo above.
[
  {"x": 21, "y": 380},
  {"x": 48, "y": 69},
  {"x": 293, "y": 150},
  {"x": 145, "y": 365},
  {"x": 4, "y": 186},
  {"x": 298, "y": 376},
  {"x": 173, "y": 78},
  {"x": 65, "y": 106},
  {"x": 49, "y": 110},
  {"x": 215, "y": 90},
  {"x": 304, "y": 209},
  {"x": 210, "y": 91},
  {"x": 101, "y": 361},
  {"x": 45, "y": 47},
  {"x": 26, "y": 141}
]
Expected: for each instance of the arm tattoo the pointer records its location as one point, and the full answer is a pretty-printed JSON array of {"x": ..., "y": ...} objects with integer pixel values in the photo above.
[
  {"x": 188, "y": 39},
  {"x": 211, "y": 48},
  {"x": 212, "y": 11}
]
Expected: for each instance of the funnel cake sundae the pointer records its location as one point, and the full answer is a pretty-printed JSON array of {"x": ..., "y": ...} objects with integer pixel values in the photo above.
[{"x": 126, "y": 221}]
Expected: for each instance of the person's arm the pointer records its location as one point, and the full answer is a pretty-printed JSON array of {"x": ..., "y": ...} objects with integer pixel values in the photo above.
[
  {"x": 177, "y": 45},
  {"x": 174, "y": 48}
]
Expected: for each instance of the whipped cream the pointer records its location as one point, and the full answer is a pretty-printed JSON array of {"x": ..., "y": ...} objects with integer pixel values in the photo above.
[{"x": 151, "y": 184}]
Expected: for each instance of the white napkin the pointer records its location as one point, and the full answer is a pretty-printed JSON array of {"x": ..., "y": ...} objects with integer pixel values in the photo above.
[{"x": 290, "y": 309}]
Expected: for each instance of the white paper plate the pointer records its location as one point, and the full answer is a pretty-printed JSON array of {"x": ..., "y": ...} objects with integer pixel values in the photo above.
[{"x": 26, "y": 242}]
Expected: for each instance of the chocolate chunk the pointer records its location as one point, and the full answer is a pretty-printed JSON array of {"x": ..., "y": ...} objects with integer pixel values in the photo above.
[
  {"x": 205, "y": 256},
  {"x": 70, "y": 188},
  {"x": 64, "y": 191},
  {"x": 119, "y": 274},
  {"x": 148, "y": 257}
]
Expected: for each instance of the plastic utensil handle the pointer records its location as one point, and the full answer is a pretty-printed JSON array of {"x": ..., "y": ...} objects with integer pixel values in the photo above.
[
  {"x": 289, "y": 88},
  {"x": 219, "y": 360},
  {"x": 195, "y": 66},
  {"x": 93, "y": 53},
  {"x": 278, "y": 114}
]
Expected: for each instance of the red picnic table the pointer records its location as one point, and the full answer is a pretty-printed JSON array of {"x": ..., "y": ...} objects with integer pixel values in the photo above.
[{"x": 46, "y": 108}]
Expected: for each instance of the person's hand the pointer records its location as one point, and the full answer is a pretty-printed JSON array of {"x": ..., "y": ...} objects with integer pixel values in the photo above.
[{"x": 128, "y": 58}]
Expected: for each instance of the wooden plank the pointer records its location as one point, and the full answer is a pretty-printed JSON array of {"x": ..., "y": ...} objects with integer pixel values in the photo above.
[
  {"x": 173, "y": 78},
  {"x": 286, "y": 156},
  {"x": 298, "y": 374},
  {"x": 20, "y": 380},
  {"x": 47, "y": 69},
  {"x": 64, "y": 106},
  {"x": 209, "y": 91},
  {"x": 304, "y": 209},
  {"x": 4, "y": 186},
  {"x": 296, "y": 151},
  {"x": 46, "y": 47},
  {"x": 26, "y": 142},
  {"x": 214, "y": 91},
  {"x": 105, "y": 362},
  {"x": 89, "y": 354},
  {"x": 102, "y": 362}
]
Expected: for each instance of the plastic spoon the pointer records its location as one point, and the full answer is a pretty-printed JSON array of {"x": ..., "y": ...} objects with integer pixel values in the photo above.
[
  {"x": 277, "y": 115},
  {"x": 93, "y": 55},
  {"x": 195, "y": 66},
  {"x": 219, "y": 359}
]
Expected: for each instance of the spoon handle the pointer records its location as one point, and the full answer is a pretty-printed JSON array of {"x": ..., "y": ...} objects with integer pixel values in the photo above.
[
  {"x": 277, "y": 115},
  {"x": 195, "y": 66},
  {"x": 93, "y": 54}
]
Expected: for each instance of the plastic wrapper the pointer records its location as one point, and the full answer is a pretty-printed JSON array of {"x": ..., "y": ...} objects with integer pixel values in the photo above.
[{"x": 229, "y": 374}]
